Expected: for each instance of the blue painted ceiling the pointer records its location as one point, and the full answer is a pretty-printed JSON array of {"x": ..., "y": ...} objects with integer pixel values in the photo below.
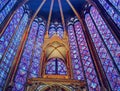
[{"x": 67, "y": 11}]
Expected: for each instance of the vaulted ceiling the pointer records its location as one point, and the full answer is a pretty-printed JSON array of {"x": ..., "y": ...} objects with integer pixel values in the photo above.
[{"x": 67, "y": 11}]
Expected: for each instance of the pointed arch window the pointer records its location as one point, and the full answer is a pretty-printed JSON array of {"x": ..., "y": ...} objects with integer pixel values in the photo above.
[
  {"x": 10, "y": 31},
  {"x": 88, "y": 65},
  {"x": 30, "y": 60},
  {"x": 75, "y": 57},
  {"x": 10, "y": 53},
  {"x": 60, "y": 31},
  {"x": 106, "y": 61},
  {"x": 52, "y": 30},
  {"x": 110, "y": 41},
  {"x": 7, "y": 9},
  {"x": 56, "y": 66},
  {"x": 21, "y": 75}
]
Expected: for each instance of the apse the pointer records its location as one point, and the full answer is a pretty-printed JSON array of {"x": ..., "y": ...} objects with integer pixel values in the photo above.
[{"x": 59, "y": 45}]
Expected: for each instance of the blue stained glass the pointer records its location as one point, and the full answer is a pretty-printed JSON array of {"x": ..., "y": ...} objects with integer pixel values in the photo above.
[
  {"x": 107, "y": 36},
  {"x": 50, "y": 67},
  {"x": 116, "y": 4},
  {"x": 2, "y": 3},
  {"x": 18, "y": 35},
  {"x": 78, "y": 72},
  {"x": 106, "y": 61},
  {"x": 6, "y": 10},
  {"x": 93, "y": 83},
  {"x": 25, "y": 59},
  {"x": 52, "y": 30},
  {"x": 113, "y": 14},
  {"x": 10, "y": 30},
  {"x": 60, "y": 31},
  {"x": 56, "y": 66},
  {"x": 35, "y": 67}
]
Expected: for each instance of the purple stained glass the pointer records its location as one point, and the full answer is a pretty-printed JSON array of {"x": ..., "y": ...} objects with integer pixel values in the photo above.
[
  {"x": 90, "y": 73},
  {"x": 56, "y": 66},
  {"x": 50, "y": 67},
  {"x": 62, "y": 70},
  {"x": 106, "y": 61},
  {"x": 60, "y": 31},
  {"x": 10, "y": 30},
  {"x": 107, "y": 36},
  {"x": 22, "y": 72},
  {"x": 7, "y": 61},
  {"x": 2, "y": 3},
  {"x": 75, "y": 57},
  {"x": 6, "y": 10},
  {"x": 113, "y": 14},
  {"x": 52, "y": 30},
  {"x": 35, "y": 66}
]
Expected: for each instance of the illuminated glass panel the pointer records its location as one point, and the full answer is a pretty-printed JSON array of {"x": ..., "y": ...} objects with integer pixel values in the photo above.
[
  {"x": 60, "y": 31},
  {"x": 116, "y": 4},
  {"x": 11, "y": 52},
  {"x": 2, "y": 3},
  {"x": 107, "y": 36},
  {"x": 75, "y": 58},
  {"x": 62, "y": 70},
  {"x": 113, "y": 14},
  {"x": 35, "y": 65},
  {"x": 91, "y": 76},
  {"x": 56, "y": 66},
  {"x": 106, "y": 61},
  {"x": 50, "y": 68},
  {"x": 6, "y": 10},
  {"x": 20, "y": 78},
  {"x": 10, "y": 30},
  {"x": 52, "y": 30}
]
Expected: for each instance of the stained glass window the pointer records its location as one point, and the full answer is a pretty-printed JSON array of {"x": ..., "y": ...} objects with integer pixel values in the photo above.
[
  {"x": 35, "y": 66},
  {"x": 75, "y": 57},
  {"x": 60, "y": 31},
  {"x": 2, "y": 3},
  {"x": 6, "y": 10},
  {"x": 106, "y": 61},
  {"x": 107, "y": 36},
  {"x": 10, "y": 31},
  {"x": 56, "y": 66},
  {"x": 113, "y": 14},
  {"x": 21, "y": 75},
  {"x": 116, "y": 4},
  {"x": 11, "y": 52},
  {"x": 52, "y": 30},
  {"x": 90, "y": 73}
]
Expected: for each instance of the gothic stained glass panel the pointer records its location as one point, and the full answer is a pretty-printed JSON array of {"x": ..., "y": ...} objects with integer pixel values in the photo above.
[
  {"x": 60, "y": 31},
  {"x": 116, "y": 4},
  {"x": 91, "y": 76},
  {"x": 22, "y": 72},
  {"x": 2, "y": 3},
  {"x": 75, "y": 58},
  {"x": 56, "y": 66},
  {"x": 35, "y": 66},
  {"x": 6, "y": 10},
  {"x": 10, "y": 30},
  {"x": 109, "y": 68},
  {"x": 52, "y": 30},
  {"x": 11, "y": 52},
  {"x": 50, "y": 67},
  {"x": 113, "y": 14},
  {"x": 107, "y": 36},
  {"x": 62, "y": 70}
]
